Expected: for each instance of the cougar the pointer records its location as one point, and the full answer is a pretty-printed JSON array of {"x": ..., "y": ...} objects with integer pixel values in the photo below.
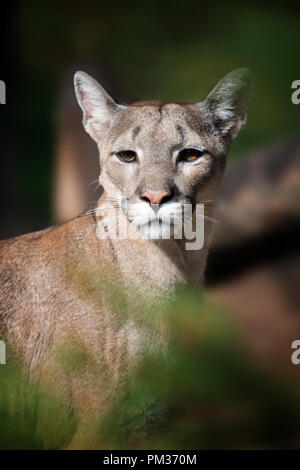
[{"x": 84, "y": 282}]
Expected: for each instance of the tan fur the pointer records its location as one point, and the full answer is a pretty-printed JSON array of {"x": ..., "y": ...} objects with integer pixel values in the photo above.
[{"x": 65, "y": 285}]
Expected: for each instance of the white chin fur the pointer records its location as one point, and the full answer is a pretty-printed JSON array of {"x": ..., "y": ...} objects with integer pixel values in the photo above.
[
  {"x": 155, "y": 230},
  {"x": 158, "y": 225}
]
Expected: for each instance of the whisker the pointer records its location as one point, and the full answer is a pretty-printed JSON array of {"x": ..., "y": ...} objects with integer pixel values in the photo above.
[
  {"x": 93, "y": 182},
  {"x": 108, "y": 218},
  {"x": 210, "y": 219}
]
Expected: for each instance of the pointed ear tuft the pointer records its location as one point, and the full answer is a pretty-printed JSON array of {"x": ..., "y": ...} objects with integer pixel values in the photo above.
[
  {"x": 228, "y": 102},
  {"x": 99, "y": 109}
]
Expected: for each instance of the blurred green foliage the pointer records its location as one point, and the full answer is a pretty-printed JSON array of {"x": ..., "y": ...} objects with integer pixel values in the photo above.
[
  {"x": 205, "y": 393},
  {"x": 31, "y": 417}
]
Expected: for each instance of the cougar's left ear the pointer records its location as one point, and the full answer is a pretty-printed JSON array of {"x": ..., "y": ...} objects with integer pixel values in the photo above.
[
  {"x": 228, "y": 102},
  {"x": 99, "y": 109}
]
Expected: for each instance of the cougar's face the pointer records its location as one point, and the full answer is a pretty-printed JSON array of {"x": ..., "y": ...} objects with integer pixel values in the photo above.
[{"x": 158, "y": 157}]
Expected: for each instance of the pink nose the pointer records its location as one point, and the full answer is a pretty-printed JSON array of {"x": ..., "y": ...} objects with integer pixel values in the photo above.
[{"x": 157, "y": 198}]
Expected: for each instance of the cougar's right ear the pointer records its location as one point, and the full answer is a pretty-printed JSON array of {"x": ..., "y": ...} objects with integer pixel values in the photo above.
[
  {"x": 228, "y": 102},
  {"x": 99, "y": 109}
]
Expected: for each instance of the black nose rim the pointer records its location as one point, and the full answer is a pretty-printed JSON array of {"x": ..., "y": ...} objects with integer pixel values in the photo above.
[
  {"x": 167, "y": 198},
  {"x": 145, "y": 199}
]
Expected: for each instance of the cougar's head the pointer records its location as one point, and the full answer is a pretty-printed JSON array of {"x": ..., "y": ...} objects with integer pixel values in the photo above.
[{"x": 155, "y": 157}]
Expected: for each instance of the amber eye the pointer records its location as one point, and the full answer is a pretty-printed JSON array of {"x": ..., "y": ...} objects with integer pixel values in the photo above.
[
  {"x": 190, "y": 155},
  {"x": 127, "y": 156}
]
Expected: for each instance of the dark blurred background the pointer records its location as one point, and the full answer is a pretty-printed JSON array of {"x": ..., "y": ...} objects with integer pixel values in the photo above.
[{"x": 165, "y": 50}]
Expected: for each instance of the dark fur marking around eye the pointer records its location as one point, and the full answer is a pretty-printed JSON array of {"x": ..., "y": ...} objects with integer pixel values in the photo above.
[
  {"x": 135, "y": 132},
  {"x": 160, "y": 107},
  {"x": 181, "y": 132}
]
